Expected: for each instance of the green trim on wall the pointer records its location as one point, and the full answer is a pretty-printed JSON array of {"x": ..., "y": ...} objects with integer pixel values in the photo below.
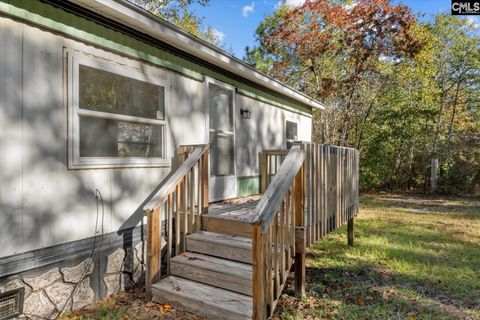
[
  {"x": 56, "y": 19},
  {"x": 248, "y": 185}
]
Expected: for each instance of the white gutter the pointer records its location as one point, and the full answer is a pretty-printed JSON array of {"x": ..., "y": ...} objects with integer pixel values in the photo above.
[{"x": 142, "y": 20}]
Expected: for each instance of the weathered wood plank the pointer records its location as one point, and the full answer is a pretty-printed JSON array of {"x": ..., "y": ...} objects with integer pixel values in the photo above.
[
  {"x": 221, "y": 273},
  {"x": 202, "y": 299},
  {"x": 221, "y": 245},
  {"x": 178, "y": 222},
  {"x": 227, "y": 226},
  {"x": 170, "y": 231}
]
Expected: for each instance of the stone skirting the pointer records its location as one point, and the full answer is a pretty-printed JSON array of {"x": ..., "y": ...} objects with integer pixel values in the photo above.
[{"x": 78, "y": 281}]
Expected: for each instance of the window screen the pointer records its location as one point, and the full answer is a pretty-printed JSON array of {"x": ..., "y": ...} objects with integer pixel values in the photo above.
[
  {"x": 221, "y": 148},
  {"x": 291, "y": 133},
  {"x": 220, "y": 108}
]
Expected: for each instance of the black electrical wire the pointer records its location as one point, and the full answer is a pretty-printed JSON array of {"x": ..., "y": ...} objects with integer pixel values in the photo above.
[{"x": 98, "y": 198}]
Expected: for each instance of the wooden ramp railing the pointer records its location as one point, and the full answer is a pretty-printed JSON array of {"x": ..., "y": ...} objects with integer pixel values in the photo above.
[
  {"x": 182, "y": 200},
  {"x": 276, "y": 225},
  {"x": 331, "y": 185},
  {"x": 309, "y": 191}
]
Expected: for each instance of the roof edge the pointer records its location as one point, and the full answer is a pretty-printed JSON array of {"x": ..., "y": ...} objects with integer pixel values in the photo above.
[{"x": 144, "y": 21}]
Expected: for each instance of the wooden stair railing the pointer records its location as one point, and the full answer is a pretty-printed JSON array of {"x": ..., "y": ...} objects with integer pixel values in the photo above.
[
  {"x": 278, "y": 235},
  {"x": 182, "y": 199}
]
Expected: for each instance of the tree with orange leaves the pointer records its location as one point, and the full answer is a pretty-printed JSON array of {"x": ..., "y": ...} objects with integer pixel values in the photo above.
[{"x": 329, "y": 49}]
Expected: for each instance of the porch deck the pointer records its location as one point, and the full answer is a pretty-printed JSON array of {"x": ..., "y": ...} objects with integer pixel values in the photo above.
[
  {"x": 231, "y": 217},
  {"x": 240, "y": 208},
  {"x": 231, "y": 259}
]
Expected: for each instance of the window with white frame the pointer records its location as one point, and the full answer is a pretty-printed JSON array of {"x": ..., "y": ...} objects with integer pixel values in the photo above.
[{"x": 117, "y": 116}]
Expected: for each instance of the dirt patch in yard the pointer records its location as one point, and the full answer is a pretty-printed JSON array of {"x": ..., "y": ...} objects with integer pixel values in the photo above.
[{"x": 129, "y": 305}]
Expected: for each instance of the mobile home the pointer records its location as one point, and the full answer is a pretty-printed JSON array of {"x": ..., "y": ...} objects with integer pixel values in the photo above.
[{"x": 95, "y": 98}]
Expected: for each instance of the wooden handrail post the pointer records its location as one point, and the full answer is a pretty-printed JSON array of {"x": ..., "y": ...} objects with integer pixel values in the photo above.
[
  {"x": 259, "y": 273},
  {"x": 182, "y": 154},
  {"x": 300, "y": 243},
  {"x": 263, "y": 171},
  {"x": 153, "y": 272},
  {"x": 300, "y": 250}
]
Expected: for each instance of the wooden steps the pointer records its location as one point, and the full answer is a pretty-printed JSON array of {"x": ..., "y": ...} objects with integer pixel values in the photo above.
[
  {"x": 235, "y": 222},
  {"x": 222, "y": 273},
  {"x": 212, "y": 278},
  {"x": 202, "y": 299},
  {"x": 221, "y": 245}
]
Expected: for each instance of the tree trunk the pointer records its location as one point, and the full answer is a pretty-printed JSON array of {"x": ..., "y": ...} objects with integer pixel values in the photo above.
[{"x": 434, "y": 175}]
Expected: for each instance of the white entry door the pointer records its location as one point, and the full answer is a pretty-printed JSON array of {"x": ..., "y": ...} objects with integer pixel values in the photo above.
[{"x": 221, "y": 106}]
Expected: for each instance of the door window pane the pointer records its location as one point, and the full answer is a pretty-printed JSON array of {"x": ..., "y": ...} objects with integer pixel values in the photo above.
[
  {"x": 220, "y": 108},
  {"x": 100, "y": 137},
  {"x": 221, "y": 159},
  {"x": 100, "y": 90},
  {"x": 291, "y": 133}
]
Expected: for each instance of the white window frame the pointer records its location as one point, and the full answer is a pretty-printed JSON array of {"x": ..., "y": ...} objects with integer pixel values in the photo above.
[{"x": 74, "y": 112}]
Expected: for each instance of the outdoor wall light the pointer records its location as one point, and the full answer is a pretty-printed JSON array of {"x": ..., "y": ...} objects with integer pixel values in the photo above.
[{"x": 245, "y": 113}]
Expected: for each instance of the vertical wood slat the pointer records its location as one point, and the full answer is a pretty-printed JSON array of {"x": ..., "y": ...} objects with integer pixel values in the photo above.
[
  {"x": 333, "y": 182},
  {"x": 185, "y": 213},
  {"x": 177, "y": 218},
  {"x": 268, "y": 276},
  {"x": 318, "y": 189},
  {"x": 311, "y": 196},
  {"x": 337, "y": 193},
  {"x": 299, "y": 222},
  {"x": 272, "y": 168},
  {"x": 321, "y": 205},
  {"x": 325, "y": 195},
  {"x": 282, "y": 241},
  {"x": 191, "y": 201},
  {"x": 170, "y": 230},
  {"x": 205, "y": 182},
  {"x": 288, "y": 213},
  {"x": 292, "y": 222},
  {"x": 199, "y": 185},
  {"x": 275, "y": 239}
]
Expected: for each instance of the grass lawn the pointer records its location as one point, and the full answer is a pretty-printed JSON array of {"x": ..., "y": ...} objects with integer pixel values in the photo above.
[{"x": 414, "y": 258}]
